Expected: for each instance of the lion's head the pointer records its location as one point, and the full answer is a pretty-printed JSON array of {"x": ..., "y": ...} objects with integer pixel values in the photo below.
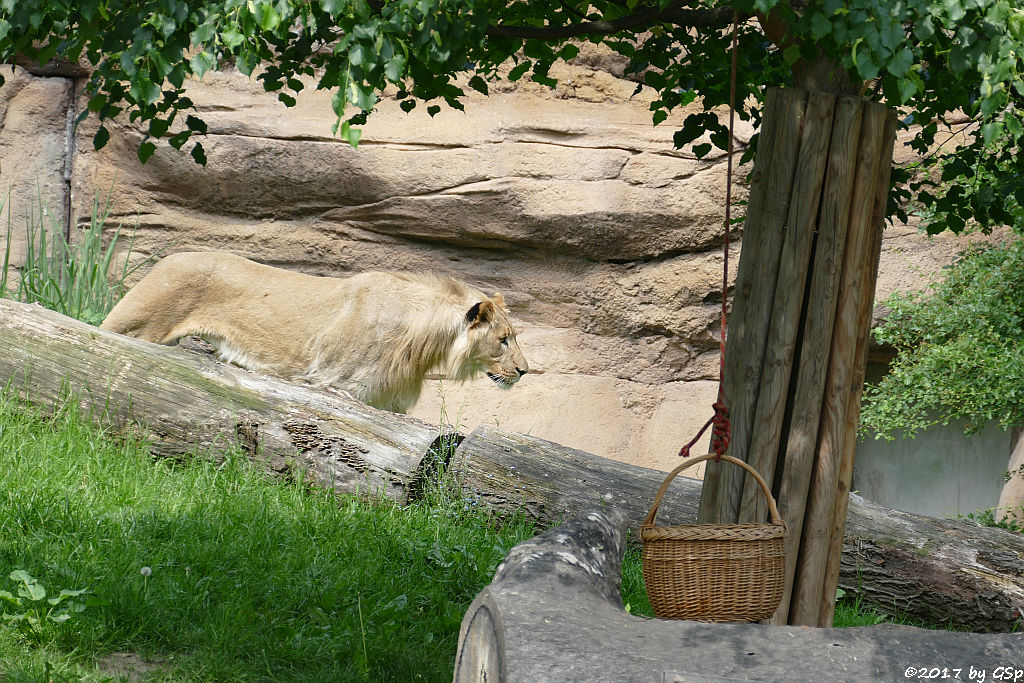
[{"x": 489, "y": 346}]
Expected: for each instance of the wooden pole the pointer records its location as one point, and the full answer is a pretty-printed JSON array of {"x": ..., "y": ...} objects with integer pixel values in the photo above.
[
  {"x": 780, "y": 347},
  {"x": 826, "y": 610},
  {"x": 743, "y": 289},
  {"x": 854, "y": 298},
  {"x": 816, "y": 335},
  {"x": 745, "y": 349}
]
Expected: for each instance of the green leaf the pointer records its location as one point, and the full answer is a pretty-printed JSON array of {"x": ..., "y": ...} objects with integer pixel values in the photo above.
[
  {"x": 100, "y": 139},
  {"x": 195, "y": 123},
  {"x": 569, "y": 51},
  {"x": 247, "y": 61},
  {"x": 199, "y": 154},
  {"x": 900, "y": 63},
  {"x": 203, "y": 34},
  {"x": 791, "y": 54},
  {"x": 96, "y": 102},
  {"x": 954, "y": 9},
  {"x": 288, "y": 100},
  {"x": 150, "y": 92},
  {"x": 991, "y": 130},
  {"x": 433, "y": 109},
  {"x": 201, "y": 63},
  {"x": 146, "y": 150},
  {"x": 701, "y": 150},
  {"x": 655, "y": 79},
  {"x": 1013, "y": 125},
  {"x": 33, "y": 591},
  {"x": 820, "y": 26},
  {"x": 659, "y": 116},
  {"x": 517, "y": 71},
  {"x": 267, "y": 17},
  {"x": 395, "y": 68},
  {"x": 179, "y": 139},
  {"x": 231, "y": 38},
  {"x": 158, "y": 127},
  {"x": 478, "y": 84},
  {"x": 350, "y": 134},
  {"x": 408, "y": 105}
]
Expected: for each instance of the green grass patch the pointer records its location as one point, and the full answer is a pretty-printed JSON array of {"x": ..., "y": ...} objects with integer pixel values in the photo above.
[{"x": 214, "y": 571}]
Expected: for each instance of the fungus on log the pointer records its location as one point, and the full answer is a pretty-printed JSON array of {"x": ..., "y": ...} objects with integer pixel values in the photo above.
[{"x": 554, "y": 613}]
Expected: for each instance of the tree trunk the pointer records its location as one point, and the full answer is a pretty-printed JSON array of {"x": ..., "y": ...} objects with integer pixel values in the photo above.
[
  {"x": 554, "y": 613},
  {"x": 936, "y": 570},
  {"x": 1011, "y": 498},
  {"x": 802, "y": 303}
]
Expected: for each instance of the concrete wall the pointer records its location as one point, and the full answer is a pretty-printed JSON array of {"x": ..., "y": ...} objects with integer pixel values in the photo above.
[{"x": 941, "y": 473}]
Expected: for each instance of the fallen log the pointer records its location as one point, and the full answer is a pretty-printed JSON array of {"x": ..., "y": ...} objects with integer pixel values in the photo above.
[
  {"x": 934, "y": 570},
  {"x": 553, "y": 613},
  {"x": 190, "y": 404}
]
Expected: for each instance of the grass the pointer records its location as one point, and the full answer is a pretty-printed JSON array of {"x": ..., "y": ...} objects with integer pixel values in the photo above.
[
  {"x": 81, "y": 280},
  {"x": 247, "y": 579}
]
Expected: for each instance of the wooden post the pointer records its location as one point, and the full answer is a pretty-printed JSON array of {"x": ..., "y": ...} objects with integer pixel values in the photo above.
[
  {"x": 826, "y": 609},
  {"x": 801, "y": 310},
  {"x": 816, "y": 335},
  {"x": 753, "y": 292},
  {"x": 780, "y": 347},
  {"x": 842, "y": 389}
]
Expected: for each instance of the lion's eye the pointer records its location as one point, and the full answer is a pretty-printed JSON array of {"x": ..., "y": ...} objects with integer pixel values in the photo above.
[{"x": 504, "y": 341}]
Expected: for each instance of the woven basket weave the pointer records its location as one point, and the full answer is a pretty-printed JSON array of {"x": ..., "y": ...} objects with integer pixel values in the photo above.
[{"x": 714, "y": 572}]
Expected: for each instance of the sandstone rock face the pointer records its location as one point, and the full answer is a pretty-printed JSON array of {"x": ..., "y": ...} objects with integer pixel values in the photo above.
[
  {"x": 34, "y": 149},
  {"x": 603, "y": 239}
]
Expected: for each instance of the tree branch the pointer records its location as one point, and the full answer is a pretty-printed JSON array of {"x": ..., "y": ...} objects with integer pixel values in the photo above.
[{"x": 674, "y": 13}]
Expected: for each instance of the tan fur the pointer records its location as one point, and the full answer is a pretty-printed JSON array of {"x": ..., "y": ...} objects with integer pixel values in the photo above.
[{"x": 375, "y": 335}]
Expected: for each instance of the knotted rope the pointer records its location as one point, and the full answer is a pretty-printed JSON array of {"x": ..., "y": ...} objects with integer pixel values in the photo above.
[{"x": 722, "y": 431}]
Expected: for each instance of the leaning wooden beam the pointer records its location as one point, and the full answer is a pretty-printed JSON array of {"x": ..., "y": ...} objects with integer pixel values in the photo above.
[
  {"x": 190, "y": 404},
  {"x": 925, "y": 568},
  {"x": 933, "y": 570},
  {"x": 554, "y": 613}
]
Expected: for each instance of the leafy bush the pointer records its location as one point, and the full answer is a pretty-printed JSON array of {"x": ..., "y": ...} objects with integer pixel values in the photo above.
[{"x": 958, "y": 350}]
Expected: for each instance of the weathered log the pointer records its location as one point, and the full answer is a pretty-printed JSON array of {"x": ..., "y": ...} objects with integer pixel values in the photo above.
[
  {"x": 937, "y": 570},
  {"x": 190, "y": 404},
  {"x": 553, "y": 613}
]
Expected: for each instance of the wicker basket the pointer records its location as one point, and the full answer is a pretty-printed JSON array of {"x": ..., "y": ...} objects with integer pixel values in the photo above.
[{"x": 714, "y": 572}]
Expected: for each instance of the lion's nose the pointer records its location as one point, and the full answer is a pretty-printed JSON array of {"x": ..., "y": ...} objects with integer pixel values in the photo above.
[{"x": 521, "y": 371}]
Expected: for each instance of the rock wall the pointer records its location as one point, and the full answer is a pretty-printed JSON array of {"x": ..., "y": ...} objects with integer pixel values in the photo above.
[{"x": 603, "y": 239}]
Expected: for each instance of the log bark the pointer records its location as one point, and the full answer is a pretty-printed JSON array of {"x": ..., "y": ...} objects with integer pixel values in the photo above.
[
  {"x": 937, "y": 570},
  {"x": 553, "y": 613},
  {"x": 190, "y": 404}
]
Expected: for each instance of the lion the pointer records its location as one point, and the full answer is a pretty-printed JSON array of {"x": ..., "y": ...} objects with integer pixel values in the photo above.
[{"x": 375, "y": 335}]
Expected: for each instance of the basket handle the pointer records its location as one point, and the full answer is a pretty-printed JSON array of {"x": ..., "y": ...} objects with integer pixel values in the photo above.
[{"x": 773, "y": 510}]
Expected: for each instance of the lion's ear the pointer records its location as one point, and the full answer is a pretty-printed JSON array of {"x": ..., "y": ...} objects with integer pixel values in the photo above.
[
  {"x": 480, "y": 313},
  {"x": 499, "y": 300}
]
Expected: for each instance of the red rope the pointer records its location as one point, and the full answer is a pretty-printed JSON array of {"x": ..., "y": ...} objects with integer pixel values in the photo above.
[{"x": 722, "y": 432}]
